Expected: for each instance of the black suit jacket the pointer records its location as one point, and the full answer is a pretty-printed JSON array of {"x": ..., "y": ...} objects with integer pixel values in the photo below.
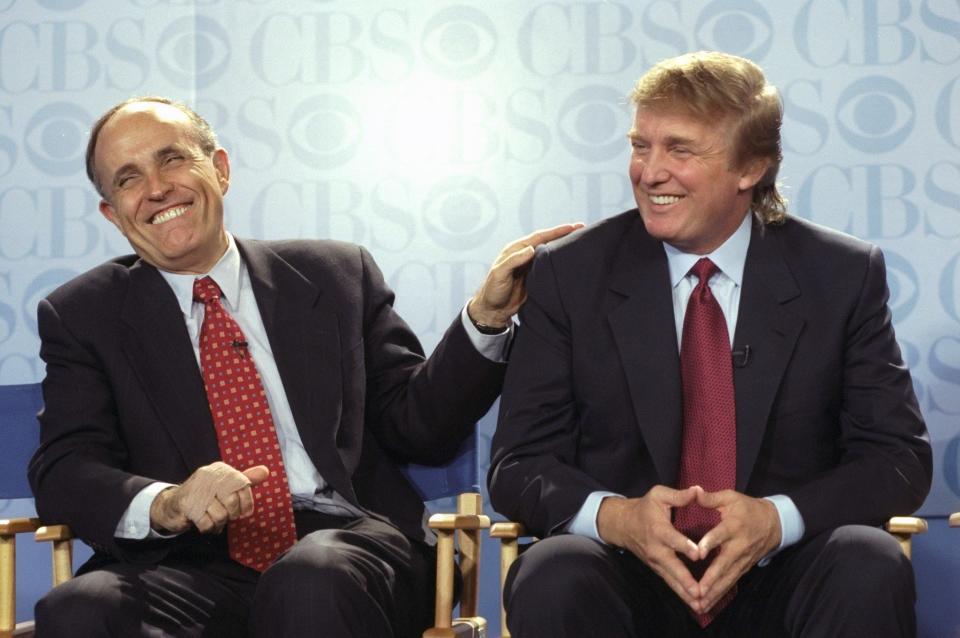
[
  {"x": 125, "y": 403},
  {"x": 826, "y": 412}
]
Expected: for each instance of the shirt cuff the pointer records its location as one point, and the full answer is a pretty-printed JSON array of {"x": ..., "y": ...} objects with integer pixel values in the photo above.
[
  {"x": 493, "y": 347},
  {"x": 791, "y": 525},
  {"x": 584, "y": 523},
  {"x": 135, "y": 522}
]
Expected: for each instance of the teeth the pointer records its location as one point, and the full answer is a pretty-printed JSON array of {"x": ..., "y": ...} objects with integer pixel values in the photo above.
[
  {"x": 665, "y": 199},
  {"x": 169, "y": 214}
]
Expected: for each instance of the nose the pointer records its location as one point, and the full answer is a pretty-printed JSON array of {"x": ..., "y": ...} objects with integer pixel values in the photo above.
[
  {"x": 653, "y": 169},
  {"x": 157, "y": 186}
]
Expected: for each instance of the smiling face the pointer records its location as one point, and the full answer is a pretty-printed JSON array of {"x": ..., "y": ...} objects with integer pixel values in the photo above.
[
  {"x": 688, "y": 191},
  {"x": 160, "y": 189}
]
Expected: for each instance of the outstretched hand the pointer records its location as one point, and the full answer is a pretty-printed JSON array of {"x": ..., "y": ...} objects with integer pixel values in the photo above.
[
  {"x": 504, "y": 289},
  {"x": 211, "y": 497}
]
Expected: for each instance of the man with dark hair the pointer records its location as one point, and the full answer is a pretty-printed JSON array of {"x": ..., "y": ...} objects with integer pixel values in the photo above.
[
  {"x": 706, "y": 415},
  {"x": 224, "y": 418}
]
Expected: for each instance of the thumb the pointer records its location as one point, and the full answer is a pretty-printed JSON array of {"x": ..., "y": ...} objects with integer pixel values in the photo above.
[
  {"x": 711, "y": 500},
  {"x": 257, "y": 474}
]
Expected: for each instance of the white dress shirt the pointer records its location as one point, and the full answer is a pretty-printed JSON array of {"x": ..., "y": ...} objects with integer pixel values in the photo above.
[
  {"x": 725, "y": 285},
  {"x": 307, "y": 486}
]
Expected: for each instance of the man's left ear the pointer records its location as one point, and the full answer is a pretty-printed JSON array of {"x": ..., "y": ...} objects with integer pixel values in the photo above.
[
  {"x": 752, "y": 172},
  {"x": 222, "y": 165}
]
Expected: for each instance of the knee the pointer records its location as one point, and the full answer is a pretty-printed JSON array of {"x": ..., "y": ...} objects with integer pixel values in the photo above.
[
  {"x": 556, "y": 571},
  {"x": 82, "y": 606},
  {"x": 861, "y": 556},
  {"x": 313, "y": 570}
]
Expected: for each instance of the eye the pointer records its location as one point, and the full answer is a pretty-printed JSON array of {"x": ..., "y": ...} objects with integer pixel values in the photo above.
[
  {"x": 125, "y": 181},
  {"x": 193, "y": 51},
  {"x": 325, "y": 131},
  {"x": 741, "y": 27},
  {"x": 54, "y": 138},
  {"x": 904, "y": 286},
  {"x": 875, "y": 114},
  {"x": 459, "y": 42},
  {"x": 460, "y": 213},
  {"x": 591, "y": 126}
]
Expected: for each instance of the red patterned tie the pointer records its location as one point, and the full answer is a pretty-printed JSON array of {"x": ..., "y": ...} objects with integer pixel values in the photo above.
[
  {"x": 245, "y": 432},
  {"x": 708, "y": 457}
]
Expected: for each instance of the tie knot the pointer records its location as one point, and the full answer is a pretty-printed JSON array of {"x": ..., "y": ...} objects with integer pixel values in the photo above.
[
  {"x": 205, "y": 289},
  {"x": 704, "y": 269}
]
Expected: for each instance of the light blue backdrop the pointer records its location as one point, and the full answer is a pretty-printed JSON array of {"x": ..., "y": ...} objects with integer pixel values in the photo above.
[{"x": 434, "y": 132}]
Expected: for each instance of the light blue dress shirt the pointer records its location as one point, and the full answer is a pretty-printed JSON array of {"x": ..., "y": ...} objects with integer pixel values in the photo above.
[
  {"x": 307, "y": 486},
  {"x": 725, "y": 285}
]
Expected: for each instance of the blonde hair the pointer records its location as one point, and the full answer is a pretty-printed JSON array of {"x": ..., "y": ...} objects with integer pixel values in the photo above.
[{"x": 709, "y": 85}]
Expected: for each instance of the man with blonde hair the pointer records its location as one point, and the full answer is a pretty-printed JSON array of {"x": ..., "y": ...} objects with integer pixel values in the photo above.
[{"x": 707, "y": 415}]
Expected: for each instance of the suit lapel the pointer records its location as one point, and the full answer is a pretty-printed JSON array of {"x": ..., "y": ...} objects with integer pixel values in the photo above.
[
  {"x": 158, "y": 349},
  {"x": 305, "y": 338},
  {"x": 771, "y": 332},
  {"x": 644, "y": 330}
]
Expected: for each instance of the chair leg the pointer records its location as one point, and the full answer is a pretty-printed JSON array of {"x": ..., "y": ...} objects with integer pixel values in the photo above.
[{"x": 8, "y": 593}]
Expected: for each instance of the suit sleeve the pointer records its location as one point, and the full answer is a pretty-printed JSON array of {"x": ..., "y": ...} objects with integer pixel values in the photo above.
[
  {"x": 81, "y": 450},
  {"x": 885, "y": 464},
  {"x": 420, "y": 409},
  {"x": 533, "y": 475}
]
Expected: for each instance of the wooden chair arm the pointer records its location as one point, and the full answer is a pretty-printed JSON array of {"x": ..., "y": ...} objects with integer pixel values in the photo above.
[
  {"x": 13, "y": 526},
  {"x": 507, "y": 530},
  {"x": 459, "y": 521},
  {"x": 62, "y": 561},
  {"x": 903, "y": 528}
]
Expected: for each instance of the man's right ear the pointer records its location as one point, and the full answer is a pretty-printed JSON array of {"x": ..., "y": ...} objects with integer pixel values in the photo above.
[{"x": 106, "y": 209}]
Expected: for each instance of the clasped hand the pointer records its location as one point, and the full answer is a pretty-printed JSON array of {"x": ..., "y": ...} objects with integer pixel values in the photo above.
[
  {"x": 749, "y": 529},
  {"x": 211, "y": 497}
]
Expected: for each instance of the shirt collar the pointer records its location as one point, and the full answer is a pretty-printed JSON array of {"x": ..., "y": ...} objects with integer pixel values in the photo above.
[
  {"x": 729, "y": 257},
  {"x": 226, "y": 272}
]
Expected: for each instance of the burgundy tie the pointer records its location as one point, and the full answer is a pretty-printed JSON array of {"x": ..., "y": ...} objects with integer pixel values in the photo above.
[
  {"x": 245, "y": 432},
  {"x": 708, "y": 457}
]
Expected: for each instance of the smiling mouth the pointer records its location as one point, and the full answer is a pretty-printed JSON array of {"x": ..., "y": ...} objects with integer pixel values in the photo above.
[
  {"x": 167, "y": 215},
  {"x": 661, "y": 200}
]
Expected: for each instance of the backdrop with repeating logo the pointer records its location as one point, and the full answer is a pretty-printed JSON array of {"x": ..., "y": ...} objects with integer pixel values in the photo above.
[{"x": 435, "y": 132}]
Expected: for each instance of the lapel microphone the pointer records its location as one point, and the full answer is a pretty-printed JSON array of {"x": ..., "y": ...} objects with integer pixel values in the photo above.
[{"x": 740, "y": 357}]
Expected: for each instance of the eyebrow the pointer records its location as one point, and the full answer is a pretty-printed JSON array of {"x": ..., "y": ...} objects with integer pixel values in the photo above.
[{"x": 671, "y": 140}]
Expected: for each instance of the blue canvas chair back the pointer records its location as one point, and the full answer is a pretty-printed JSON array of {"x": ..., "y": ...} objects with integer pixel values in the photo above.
[
  {"x": 457, "y": 476},
  {"x": 19, "y": 405}
]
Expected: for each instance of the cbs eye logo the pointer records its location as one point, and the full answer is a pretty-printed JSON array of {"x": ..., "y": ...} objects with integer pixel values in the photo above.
[
  {"x": 193, "y": 52},
  {"x": 55, "y": 139},
  {"x": 875, "y": 114},
  {"x": 590, "y": 126},
  {"x": 950, "y": 288},
  {"x": 324, "y": 131},
  {"x": 460, "y": 213},
  {"x": 459, "y": 42},
  {"x": 740, "y": 27}
]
